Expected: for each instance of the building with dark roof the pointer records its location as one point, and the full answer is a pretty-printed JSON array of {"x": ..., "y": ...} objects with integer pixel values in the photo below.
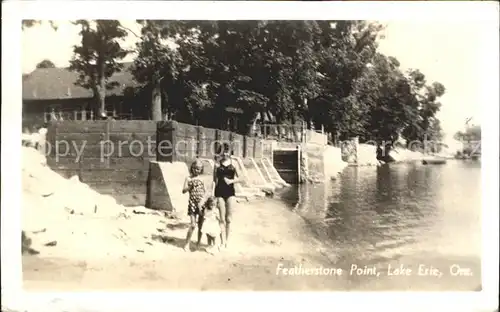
[{"x": 52, "y": 91}]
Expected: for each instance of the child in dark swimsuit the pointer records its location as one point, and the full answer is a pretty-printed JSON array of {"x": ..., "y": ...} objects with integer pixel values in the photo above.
[
  {"x": 196, "y": 188},
  {"x": 225, "y": 176},
  {"x": 223, "y": 189}
]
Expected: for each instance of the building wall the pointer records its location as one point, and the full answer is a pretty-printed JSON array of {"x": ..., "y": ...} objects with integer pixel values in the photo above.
[{"x": 34, "y": 111}]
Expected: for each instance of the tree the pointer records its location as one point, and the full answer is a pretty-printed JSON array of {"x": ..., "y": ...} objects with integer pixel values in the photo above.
[
  {"x": 471, "y": 134},
  {"x": 96, "y": 58},
  {"x": 46, "y": 64},
  {"x": 388, "y": 100},
  {"x": 345, "y": 49},
  {"x": 471, "y": 138},
  {"x": 271, "y": 67},
  {"x": 297, "y": 71},
  {"x": 156, "y": 64}
]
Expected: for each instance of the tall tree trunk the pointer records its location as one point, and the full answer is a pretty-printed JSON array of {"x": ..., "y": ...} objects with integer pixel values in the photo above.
[
  {"x": 294, "y": 128},
  {"x": 166, "y": 108},
  {"x": 101, "y": 88},
  {"x": 102, "y": 97},
  {"x": 95, "y": 104},
  {"x": 156, "y": 113}
]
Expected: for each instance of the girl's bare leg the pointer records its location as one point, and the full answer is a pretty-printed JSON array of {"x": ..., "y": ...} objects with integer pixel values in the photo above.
[
  {"x": 228, "y": 217},
  {"x": 189, "y": 234},
  {"x": 212, "y": 245},
  {"x": 200, "y": 234},
  {"x": 214, "y": 241},
  {"x": 221, "y": 204}
]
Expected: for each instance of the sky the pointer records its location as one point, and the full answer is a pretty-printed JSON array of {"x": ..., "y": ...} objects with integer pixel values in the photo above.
[{"x": 448, "y": 52}]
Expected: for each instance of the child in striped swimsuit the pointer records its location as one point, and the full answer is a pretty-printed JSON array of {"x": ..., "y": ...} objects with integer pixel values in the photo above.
[{"x": 196, "y": 188}]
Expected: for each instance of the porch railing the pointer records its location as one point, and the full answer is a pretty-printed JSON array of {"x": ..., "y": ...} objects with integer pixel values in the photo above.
[
  {"x": 290, "y": 133},
  {"x": 85, "y": 115}
]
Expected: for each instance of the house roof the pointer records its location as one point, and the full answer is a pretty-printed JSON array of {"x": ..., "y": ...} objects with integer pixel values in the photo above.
[{"x": 59, "y": 83}]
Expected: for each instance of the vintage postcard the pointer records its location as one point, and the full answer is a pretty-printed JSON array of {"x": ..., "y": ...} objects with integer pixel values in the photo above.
[{"x": 253, "y": 146}]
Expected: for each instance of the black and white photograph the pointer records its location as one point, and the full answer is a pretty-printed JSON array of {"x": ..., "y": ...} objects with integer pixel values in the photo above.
[{"x": 327, "y": 154}]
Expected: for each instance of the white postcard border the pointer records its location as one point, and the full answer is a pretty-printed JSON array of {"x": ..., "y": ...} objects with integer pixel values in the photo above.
[{"x": 14, "y": 298}]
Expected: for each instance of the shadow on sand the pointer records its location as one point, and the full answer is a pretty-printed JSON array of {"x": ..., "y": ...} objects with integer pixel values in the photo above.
[
  {"x": 178, "y": 226},
  {"x": 175, "y": 241}
]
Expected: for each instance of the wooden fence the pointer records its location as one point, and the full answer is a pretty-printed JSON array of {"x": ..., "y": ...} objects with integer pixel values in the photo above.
[
  {"x": 291, "y": 133},
  {"x": 184, "y": 142},
  {"x": 110, "y": 156},
  {"x": 113, "y": 156},
  {"x": 84, "y": 115}
]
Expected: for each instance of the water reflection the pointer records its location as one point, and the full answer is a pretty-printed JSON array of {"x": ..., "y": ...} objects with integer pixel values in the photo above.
[{"x": 385, "y": 212}]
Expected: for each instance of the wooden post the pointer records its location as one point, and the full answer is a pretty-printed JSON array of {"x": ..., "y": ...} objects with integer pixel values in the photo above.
[
  {"x": 166, "y": 133},
  {"x": 231, "y": 143},
  {"x": 107, "y": 148},
  {"x": 75, "y": 115},
  {"x": 245, "y": 147},
  {"x": 175, "y": 130},
  {"x": 216, "y": 144},
  {"x": 304, "y": 132},
  {"x": 199, "y": 131},
  {"x": 84, "y": 114},
  {"x": 265, "y": 131},
  {"x": 254, "y": 147},
  {"x": 91, "y": 115},
  {"x": 299, "y": 165}
]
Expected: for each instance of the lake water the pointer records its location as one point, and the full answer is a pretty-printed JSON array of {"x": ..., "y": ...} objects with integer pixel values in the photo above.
[{"x": 400, "y": 214}]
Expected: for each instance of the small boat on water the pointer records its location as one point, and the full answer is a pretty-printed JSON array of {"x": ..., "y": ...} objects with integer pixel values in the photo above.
[{"x": 434, "y": 161}]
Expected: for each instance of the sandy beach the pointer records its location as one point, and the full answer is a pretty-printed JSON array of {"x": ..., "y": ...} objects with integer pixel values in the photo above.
[{"x": 266, "y": 236}]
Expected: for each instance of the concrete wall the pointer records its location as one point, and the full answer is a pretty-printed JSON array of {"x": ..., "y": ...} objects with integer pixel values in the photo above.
[
  {"x": 367, "y": 155},
  {"x": 359, "y": 154},
  {"x": 350, "y": 151},
  {"x": 323, "y": 161},
  {"x": 314, "y": 137},
  {"x": 333, "y": 161},
  {"x": 112, "y": 157},
  {"x": 315, "y": 160}
]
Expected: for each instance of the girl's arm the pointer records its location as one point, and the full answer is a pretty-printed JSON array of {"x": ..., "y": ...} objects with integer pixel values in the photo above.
[
  {"x": 214, "y": 182},
  {"x": 201, "y": 207},
  {"x": 203, "y": 201},
  {"x": 187, "y": 185},
  {"x": 236, "y": 179}
]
